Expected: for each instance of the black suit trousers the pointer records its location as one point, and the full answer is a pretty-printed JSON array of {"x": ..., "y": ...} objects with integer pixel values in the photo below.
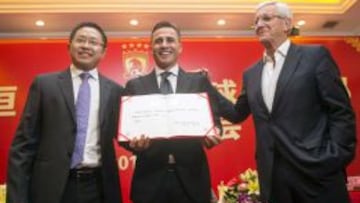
[
  {"x": 171, "y": 191},
  {"x": 289, "y": 185},
  {"x": 83, "y": 188}
]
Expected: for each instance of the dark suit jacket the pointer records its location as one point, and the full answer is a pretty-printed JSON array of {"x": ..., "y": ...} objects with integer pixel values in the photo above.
[
  {"x": 312, "y": 123},
  {"x": 40, "y": 155},
  {"x": 191, "y": 162}
]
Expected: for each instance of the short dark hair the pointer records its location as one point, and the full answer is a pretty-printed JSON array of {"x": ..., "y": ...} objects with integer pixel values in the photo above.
[
  {"x": 92, "y": 25},
  {"x": 163, "y": 24}
]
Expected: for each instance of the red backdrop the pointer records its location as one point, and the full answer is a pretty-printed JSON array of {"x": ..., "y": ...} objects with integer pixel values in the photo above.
[{"x": 225, "y": 59}]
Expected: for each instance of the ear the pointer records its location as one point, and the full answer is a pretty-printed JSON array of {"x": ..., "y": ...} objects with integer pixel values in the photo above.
[
  {"x": 103, "y": 52},
  {"x": 180, "y": 48},
  {"x": 288, "y": 24}
]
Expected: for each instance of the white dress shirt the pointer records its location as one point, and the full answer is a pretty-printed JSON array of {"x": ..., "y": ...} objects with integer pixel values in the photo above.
[
  {"x": 271, "y": 71},
  {"x": 173, "y": 81},
  {"x": 172, "y": 77},
  {"x": 92, "y": 154}
]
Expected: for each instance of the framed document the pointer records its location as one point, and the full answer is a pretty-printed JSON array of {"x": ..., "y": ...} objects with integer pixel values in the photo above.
[{"x": 165, "y": 116}]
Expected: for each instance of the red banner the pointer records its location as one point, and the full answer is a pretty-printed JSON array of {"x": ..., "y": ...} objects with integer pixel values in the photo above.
[{"x": 225, "y": 60}]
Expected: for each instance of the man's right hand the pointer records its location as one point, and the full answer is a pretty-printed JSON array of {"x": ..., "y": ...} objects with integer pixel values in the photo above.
[{"x": 139, "y": 143}]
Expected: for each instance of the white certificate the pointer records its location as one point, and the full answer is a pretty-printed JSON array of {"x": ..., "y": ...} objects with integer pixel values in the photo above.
[{"x": 165, "y": 116}]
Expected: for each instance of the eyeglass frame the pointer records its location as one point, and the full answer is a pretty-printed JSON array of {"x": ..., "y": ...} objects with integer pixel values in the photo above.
[
  {"x": 267, "y": 18},
  {"x": 92, "y": 42}
]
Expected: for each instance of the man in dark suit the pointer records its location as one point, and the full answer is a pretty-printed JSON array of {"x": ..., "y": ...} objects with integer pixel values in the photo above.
[
  {"x": 304, "y": 122},
  {"x": 63, "y": 148},
  {"x": 171, "y": 170}
]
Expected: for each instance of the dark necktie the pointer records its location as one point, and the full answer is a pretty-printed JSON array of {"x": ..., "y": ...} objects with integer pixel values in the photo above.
[
  {"x": 82, "y": 118},
  {"x": 165, "y": 86}
]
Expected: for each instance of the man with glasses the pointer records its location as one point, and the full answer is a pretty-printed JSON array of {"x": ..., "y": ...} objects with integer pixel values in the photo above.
[
  {"x": 63, "y": 148},
  {"x": 304, "y": 122}
]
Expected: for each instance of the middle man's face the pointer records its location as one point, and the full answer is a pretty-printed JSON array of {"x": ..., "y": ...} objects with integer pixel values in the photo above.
[{"x": 166, "y": 47}]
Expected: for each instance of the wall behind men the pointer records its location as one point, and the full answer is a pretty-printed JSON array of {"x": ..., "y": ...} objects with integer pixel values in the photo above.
[{"x": 224, "y": 59}]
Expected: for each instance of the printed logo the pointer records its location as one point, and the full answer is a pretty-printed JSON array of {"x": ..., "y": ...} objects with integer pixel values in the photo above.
[{"x": 135, "y": 57}]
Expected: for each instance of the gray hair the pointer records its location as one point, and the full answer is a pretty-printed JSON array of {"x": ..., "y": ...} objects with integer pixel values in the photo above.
[{"x": 282, "y": 9}]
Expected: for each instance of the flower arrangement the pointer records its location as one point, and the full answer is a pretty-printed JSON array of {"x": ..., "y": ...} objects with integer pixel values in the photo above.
[{"x": 241, "y": 189}]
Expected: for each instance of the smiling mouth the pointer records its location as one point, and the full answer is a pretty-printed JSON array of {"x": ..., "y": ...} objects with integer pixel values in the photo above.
[
  {"x": 84, "y": 54},
  {"x": 164, "y": 53}
]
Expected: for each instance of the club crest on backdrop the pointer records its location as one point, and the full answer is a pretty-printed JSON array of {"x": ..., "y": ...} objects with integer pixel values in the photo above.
[{"x": 135, "y": 57}]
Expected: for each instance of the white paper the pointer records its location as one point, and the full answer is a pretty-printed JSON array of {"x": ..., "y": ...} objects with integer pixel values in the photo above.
[{"x": 165, "y": 116}]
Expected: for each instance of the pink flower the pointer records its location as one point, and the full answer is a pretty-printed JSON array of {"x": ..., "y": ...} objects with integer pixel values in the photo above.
[{"x": 233, "y": 182}]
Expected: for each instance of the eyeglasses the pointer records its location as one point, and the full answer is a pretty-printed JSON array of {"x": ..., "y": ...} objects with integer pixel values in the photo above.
[
  {"x": 266, "y": 18},
  {"x": 91, "y": 42}
]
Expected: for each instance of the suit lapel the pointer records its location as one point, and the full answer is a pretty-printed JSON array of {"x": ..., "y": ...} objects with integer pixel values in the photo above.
[
  {"x": 150, "y": 83},
  {"x": 105, "y": 91},
  {"x": 183, "y": 84},
  {"x": 66, "y": 86},
  {"x": 258, "y": 74},
  {"x": 289, "y": 67}
]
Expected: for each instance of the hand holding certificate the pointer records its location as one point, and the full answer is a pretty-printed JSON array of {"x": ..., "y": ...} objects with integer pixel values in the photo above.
[{"x": 165, "y": 116}]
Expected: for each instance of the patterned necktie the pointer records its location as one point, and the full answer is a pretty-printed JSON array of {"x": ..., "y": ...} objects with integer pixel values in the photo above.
[
  {"x": 165, "y": 86},
  {"x": 82, "y": 117}
]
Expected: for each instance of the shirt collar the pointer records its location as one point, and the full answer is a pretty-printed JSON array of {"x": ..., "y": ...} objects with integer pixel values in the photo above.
[
  {"x": 282, "y": 50},
  {"x": 75, "y": 72},
  {"x": 174, "y": 70}
]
